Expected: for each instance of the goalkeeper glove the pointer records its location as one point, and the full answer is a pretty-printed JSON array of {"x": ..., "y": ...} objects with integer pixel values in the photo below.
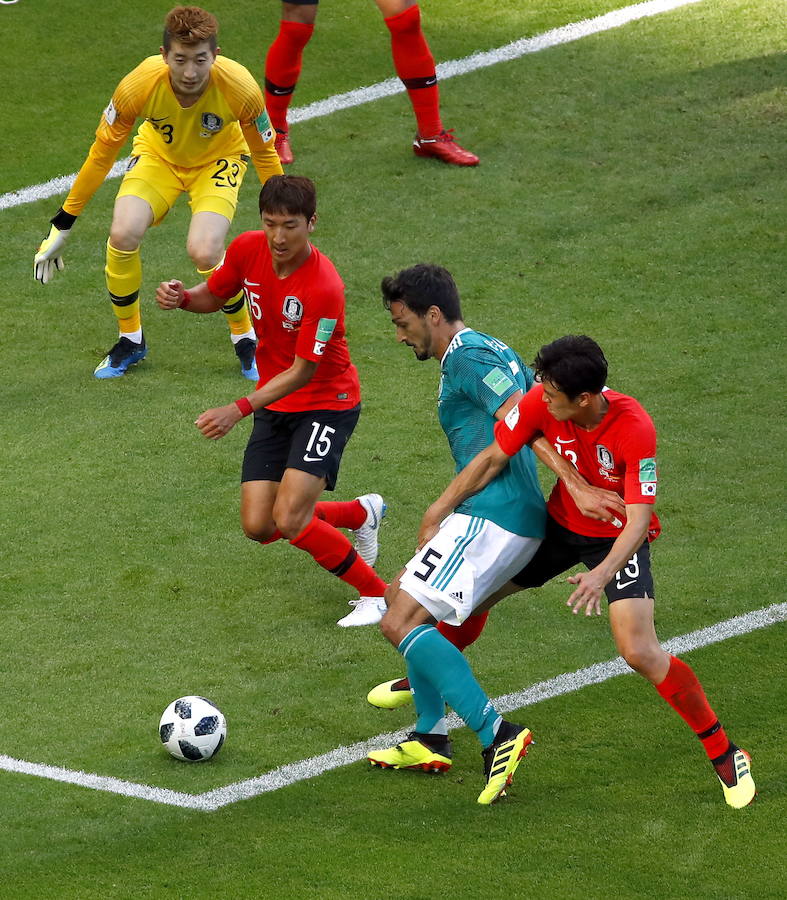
[{"x": 48, "y": 259}]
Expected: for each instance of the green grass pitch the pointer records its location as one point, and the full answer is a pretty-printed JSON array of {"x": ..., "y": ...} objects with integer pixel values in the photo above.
[{"x": 632, "y": 187}]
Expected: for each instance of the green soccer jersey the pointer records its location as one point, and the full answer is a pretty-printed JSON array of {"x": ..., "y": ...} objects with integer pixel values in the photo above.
[{"x": 478, "y": 374}]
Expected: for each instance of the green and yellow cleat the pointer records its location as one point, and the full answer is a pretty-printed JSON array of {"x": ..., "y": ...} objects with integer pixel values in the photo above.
[
  {"x": 415, "y": 753},
  {"x": 391, "y": 694},
  {"x": 734, "y": 772},
  {"x": 501, "y": 759}
]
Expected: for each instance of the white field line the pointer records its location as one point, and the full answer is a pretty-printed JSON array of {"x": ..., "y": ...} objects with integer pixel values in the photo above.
[
  {"x": 344, "y": 756},
  {"x": 563, "y": 35}
]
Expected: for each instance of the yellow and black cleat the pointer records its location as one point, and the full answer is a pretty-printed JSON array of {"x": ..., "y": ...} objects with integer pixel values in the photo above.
[{"x": 501, "y": 759}]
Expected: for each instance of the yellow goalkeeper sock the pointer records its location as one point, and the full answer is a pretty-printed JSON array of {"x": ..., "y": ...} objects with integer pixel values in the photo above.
[{"x": 124, "y": 278}]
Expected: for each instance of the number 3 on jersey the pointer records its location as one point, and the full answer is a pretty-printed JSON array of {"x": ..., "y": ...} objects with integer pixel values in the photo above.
[{"x": 319, "y": 443}]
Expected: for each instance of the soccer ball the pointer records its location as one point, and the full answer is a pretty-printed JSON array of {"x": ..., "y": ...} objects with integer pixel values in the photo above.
[{"x": 192, "y": 728}]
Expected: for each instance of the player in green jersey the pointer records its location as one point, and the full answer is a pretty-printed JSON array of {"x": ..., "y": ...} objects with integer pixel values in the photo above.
[{"x": 480, "y": 545}]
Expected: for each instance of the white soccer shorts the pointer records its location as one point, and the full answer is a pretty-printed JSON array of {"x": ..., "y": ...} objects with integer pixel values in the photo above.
[{"x": 467, "y": 560}]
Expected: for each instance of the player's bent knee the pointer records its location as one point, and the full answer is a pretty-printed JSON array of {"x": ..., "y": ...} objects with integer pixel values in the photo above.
[
  {"x": 291, "y": 522},
  {"x": 124, "y": 240},
  {"x": 391, "y": 628},
  {"x": 643, "y": 658},
  {"x": 204, "y": 258},
  {"x": 390, "y": 593},
  {"x": 258, "y": 529}
]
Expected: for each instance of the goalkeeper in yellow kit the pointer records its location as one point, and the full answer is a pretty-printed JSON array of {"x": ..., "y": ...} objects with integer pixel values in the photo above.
[{"x": 204, "y": 115}]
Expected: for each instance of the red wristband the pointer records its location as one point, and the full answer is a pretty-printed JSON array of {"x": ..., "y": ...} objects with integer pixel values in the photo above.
[
  {"x": 245, "y": 407},
  {"x": 186, "y": 299}
]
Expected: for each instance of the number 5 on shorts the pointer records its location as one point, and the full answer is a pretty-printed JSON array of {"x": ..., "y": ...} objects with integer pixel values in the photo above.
[{"x": 427, "y": 562}]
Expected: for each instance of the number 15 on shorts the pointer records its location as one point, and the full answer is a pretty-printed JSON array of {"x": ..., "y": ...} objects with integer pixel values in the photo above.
[{"x": 319, "y": 442}]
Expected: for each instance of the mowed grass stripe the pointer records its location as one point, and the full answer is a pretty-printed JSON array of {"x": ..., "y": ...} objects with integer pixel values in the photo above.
[{"x": 289, "y": 774}]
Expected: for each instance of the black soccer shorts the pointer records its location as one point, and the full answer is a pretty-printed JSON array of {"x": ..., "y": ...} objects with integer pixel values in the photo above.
[
  {"x": 311, "y": 441},
  {"x": 561, "y": 550}
]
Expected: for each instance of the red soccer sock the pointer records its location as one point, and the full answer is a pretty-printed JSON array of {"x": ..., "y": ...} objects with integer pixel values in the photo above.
[
  {"x": 282, "y": 69},
  {"x": 341, "y": 514},
  {"x": 682, "y": 690},
  {"x": 415, "y": 66},
  {"x": 331, "y": 549},
  {"x": 467, "y": 633}
]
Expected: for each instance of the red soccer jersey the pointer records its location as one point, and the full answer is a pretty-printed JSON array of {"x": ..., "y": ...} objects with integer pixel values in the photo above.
[
  {"x": 619, "y": 454},
  {"x": 300, "y": 315}
]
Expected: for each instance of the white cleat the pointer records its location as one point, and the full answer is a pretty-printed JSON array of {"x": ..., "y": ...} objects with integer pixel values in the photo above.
[
  {"x": 368, "y": 611},
  {"x": 366, "y": 537}
]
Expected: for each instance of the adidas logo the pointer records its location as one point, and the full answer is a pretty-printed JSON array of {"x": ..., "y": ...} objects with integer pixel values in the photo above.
[{"x": 457, "y": 595}]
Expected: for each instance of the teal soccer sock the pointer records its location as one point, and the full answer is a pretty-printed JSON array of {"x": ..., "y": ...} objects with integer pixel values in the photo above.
[
  {"x": 429, "y": 704},
  {"x": 433, "y": 659}
]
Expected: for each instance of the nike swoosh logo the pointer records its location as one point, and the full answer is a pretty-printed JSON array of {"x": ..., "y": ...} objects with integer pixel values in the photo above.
[
  {"x": 278, "y": 92},
  {"x": 561, "y": 441},
  {"x": 251, "y": 283},
  {"x": 623, "y": 584},
  {"x": 312, "y": 459}
]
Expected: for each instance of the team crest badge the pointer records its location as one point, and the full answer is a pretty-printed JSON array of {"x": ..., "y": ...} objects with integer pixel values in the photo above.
[
  {"x": 604, "y": 457},
  {"x": 211, "y": 123},
  {"x": 292, "y": 311}
]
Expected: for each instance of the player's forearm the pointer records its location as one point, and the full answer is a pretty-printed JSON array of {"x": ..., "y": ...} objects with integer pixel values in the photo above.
[
  {"x": 564, "y": 470},
  {"x": 281, "y": 385},
  {"x": 200, "y": 300},
  {"x": 91, "y": 176},
  {"x": 264, "y": 156},
  {"x": 628, "y": 541},
  {"x": 475, "y": 476}
]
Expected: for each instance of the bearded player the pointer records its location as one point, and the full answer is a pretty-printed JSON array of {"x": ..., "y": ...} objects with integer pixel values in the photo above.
[{"x": 611, "y": 441}]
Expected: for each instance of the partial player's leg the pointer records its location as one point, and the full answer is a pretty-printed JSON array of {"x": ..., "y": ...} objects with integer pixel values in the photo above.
[
  {"x": 281, "y": 449},
  {"x": 465, "y": 562},
  {"x": 415, "y": 66},
  {"x": 426, "y": 747},
  {"x": 145, "y": 196},
  {"x": 631, "y": 620},
  {"x": 551, "y": 558},
  {"x": 363, "y": 516},
  {"x": 283, "y": 68},
  {"x": 396, "y": 693},
  {"x": 131, "y": 218},
  {"x": 214, "y": 199}
]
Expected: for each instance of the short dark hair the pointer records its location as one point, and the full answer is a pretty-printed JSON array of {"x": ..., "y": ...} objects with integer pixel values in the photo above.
[
  {"x": 574, "y": 364},
  {"x": 422, "y": 286},
  {"x": 292, "y": 194},
  {"x": 190, "y": 25}
]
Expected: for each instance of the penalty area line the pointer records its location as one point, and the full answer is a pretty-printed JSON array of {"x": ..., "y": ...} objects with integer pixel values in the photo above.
[
  {"x": 564, "y": 34},
  {"x": 284, "y": 776}
]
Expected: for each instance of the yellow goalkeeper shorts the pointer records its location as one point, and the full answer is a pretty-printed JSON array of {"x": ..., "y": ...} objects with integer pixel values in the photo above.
[{"x": 212, "y": 188}]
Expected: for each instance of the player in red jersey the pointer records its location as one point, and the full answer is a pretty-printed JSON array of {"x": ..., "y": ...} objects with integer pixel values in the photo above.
[
  {"x": 412, "y": 59},
  {"x": 612, "y": 441},
  {"x": 307, "y": 400}
]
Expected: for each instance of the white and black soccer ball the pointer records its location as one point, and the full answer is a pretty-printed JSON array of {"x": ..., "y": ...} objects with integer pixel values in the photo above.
[{"x": 192, "y": 728}]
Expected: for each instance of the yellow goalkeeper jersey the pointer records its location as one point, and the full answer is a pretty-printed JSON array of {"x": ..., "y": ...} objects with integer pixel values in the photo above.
[{"x": 228, "y": 119}]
